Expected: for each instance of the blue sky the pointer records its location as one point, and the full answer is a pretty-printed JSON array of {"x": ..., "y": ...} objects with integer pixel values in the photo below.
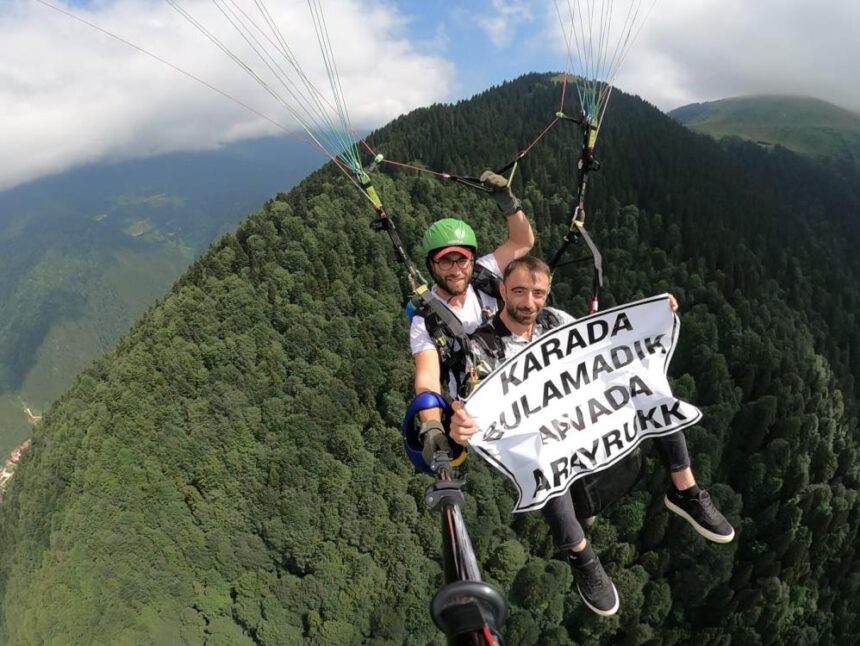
[
  {"x": 70, "y": 95},
  {"x": 480, "y": 61},
  {"x": 687, "y": 51}
]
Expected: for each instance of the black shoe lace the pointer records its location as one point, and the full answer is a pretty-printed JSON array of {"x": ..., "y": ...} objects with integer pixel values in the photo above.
[
  {"x": 708, "y": 510},
  {"x": 594, "y": 578}
]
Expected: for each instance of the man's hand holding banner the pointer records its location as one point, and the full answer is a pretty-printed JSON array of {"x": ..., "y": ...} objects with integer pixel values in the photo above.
[{"x": 580, "y": 398}]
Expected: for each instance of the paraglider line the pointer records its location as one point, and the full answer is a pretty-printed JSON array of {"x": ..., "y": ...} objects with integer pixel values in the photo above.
[
  {"x": 563, "y": 92},
  {"x": 445, "y": 175},
  {"x": 310, "y": 141},
  {"x": 539, "y": 137}
]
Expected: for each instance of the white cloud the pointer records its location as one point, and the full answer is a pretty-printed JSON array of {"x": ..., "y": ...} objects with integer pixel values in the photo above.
[
  {"x": 501, "y": 19},
  {"x": 438, "y": 45},
  {"x": 71, "y": 95},
  {"x": 711, "y": 49}
]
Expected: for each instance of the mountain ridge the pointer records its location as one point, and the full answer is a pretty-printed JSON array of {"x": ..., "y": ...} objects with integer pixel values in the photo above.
[
  {"x": 805, "y": 125},
  {"x": 83, "y": 254}
]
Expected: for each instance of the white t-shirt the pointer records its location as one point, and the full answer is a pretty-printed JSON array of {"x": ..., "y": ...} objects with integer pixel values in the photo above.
[{"x": 470, "y": 314}]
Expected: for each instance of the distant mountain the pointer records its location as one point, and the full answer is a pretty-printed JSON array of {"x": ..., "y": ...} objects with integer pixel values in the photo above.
[
  {"x": 805, "y": 125},
  {"x": 84, "y": 253},
  {"x": 232, "y": 471}
]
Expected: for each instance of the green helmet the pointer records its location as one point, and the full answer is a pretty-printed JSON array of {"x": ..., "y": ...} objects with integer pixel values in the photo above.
[{"x": 448, "y": 232}]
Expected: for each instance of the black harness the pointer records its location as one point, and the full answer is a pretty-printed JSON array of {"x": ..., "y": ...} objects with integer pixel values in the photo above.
[
  {"x": 488, "y": 338},
  {"x": 446, "y": 330}
]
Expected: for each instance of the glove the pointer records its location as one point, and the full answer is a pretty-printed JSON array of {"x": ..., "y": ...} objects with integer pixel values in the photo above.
[
  {"x": 432, "y": 437},
  {"x": 501, "y": 192}
]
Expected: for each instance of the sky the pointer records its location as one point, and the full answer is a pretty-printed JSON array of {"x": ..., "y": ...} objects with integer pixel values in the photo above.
[{"x": 71, "y": 95}]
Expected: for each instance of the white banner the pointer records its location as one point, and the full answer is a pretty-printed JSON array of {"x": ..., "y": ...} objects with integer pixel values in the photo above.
[{"x": 580, "y": 398}]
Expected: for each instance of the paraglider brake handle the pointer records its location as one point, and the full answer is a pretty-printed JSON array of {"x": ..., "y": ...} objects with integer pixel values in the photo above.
[{"x": 475, "y": 182}]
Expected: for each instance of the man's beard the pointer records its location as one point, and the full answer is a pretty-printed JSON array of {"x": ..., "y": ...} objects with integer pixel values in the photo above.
[
  {"x": 453, "y": 290},
  {"x": 521, "y": 315}
]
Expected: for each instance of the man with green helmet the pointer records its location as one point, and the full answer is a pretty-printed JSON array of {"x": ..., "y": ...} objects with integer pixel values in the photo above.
[{"x": 468, "y": 287}]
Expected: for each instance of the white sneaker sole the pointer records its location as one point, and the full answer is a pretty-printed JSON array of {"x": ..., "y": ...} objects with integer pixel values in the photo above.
[
  {"x": 711, "y": 536},
  {"x": 602, "y": 613}
]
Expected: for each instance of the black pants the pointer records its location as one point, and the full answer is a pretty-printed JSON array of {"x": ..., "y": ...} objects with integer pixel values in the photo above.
[
  {"x": 673, "y": 451},
  {"x": 561, "y": 516}
]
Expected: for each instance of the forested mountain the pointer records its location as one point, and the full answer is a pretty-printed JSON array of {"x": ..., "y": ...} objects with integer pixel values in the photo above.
[
  {"x": 84, "y": 253},
  {"x": 803, "y": 124},
  {"x": 231, "y": 473}
]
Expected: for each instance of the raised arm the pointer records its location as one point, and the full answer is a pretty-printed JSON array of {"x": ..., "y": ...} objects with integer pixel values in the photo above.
[{"x": 520, "y": 238}]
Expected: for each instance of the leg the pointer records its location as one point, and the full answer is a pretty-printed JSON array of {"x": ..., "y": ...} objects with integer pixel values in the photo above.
[
  {"x": 594, "y": 585},
  {"x": 567, "y": 534},
  {"x": 673, "y": 451},
  {"x": 684, "y": 496}
]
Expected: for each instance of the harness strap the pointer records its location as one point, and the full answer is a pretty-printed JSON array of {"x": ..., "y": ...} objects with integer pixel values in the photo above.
[
  {"x": 489, "y": 335},
  {"x": 484, "y": 280},
  {"x": 446, "y": 329},
  {"x": 384, "y": 223},
  {"x": 437, "y": 315},
  {"x": 446, "y": 332}
]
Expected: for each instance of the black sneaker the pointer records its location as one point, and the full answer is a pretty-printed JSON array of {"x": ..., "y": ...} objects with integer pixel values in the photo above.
[
  {"x": 700, "y": 512},
  {"x": 595, "y": 587}
]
